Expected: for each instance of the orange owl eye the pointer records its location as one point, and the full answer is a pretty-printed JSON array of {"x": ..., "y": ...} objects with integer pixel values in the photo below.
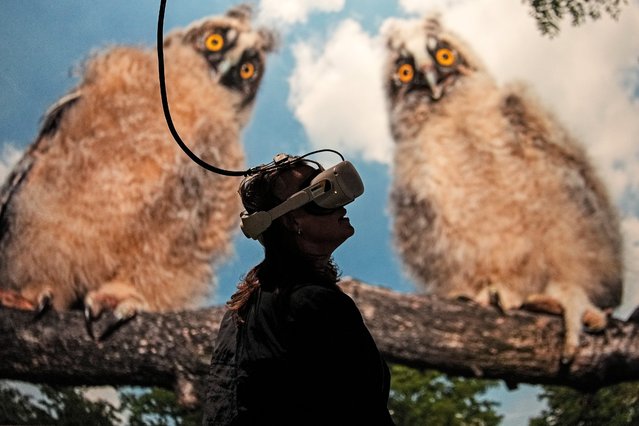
[
  {"x": 247, "y": 70},
  {"x": 405, "y": 73},
  {"x": 445, "y": 57},
  {"x": 214, "y": 42}
]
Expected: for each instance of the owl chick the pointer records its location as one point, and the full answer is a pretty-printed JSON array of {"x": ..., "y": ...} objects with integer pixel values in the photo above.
[
  {"x": 104, "y": 208},
  {"x": 490, "y": 195}
]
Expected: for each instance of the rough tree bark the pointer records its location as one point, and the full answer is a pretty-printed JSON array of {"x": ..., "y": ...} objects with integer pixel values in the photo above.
[{"x": 456, "y": 337}]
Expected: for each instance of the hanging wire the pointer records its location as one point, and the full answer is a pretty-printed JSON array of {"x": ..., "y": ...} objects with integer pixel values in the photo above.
[
  {"x": 167, "y": 112},
  {"x": 283, "y": 162}
]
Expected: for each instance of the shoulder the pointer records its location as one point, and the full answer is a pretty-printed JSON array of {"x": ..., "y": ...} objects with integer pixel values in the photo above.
[
  {"x": 313, "y": 300},
  {"x": 225, "y": 342},
  {"x": 310, "y": 295}
]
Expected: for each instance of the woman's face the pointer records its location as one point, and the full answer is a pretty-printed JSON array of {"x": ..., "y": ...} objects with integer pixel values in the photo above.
[{"x": 318, "y": 234}]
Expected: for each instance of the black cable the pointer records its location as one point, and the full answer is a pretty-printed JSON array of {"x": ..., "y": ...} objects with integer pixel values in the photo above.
[
  {"x": 323, "y": 150},
  {"x": 167, "y": 113},
  {"x": 178, "y": 139}
]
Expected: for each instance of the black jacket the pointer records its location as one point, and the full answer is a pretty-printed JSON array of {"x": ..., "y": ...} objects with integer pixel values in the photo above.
[{"x": 304, "y": 358}]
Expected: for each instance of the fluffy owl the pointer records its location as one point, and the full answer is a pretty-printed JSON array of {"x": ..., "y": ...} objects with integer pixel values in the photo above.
[
  {"x": 491, "y": 198},
  {"x": 104, "y": 208}
]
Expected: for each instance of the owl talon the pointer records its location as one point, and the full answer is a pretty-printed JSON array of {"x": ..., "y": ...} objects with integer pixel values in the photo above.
[
  {"x": 115, "y": 322},
  {"x": 594, "y": 320},
  {"x": 45, "y": 302},
  {"x": 543, "y": 303},
  {"x": 464, "y": 298},
  {"x": 566, "y": 359},
  {"x": 568, "y": 354},
  {"x": 88, "y": 322},
  {"x": 495, "y": 301},
  {"x": 571, "y": 344},
  {"x": 118, "y": 303}
]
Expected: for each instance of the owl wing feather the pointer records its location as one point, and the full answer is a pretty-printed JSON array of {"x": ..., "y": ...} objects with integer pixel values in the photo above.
[
  {"x": 50, "y": 123},
  {"x": 583, "y": 187},
  {"x": 55, "y": 113}
]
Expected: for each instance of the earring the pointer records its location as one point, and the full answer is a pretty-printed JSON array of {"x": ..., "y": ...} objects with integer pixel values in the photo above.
[{"x": 299, "y": 231}]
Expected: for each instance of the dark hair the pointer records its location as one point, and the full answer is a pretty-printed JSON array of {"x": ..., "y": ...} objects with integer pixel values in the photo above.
[{"x": 284, "y": 265}]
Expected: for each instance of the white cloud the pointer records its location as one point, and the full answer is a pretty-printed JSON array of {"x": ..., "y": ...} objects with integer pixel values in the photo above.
[
  {"x": 9, "y": 156},
  {"x": 103, "y": 393},
  {"x": 337, "y": 94},
  {"x": 295, "y": 11},
  {"x": 420, "y": 6}
]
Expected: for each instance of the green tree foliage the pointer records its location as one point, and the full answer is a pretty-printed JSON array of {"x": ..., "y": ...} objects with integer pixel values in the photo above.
[
  {"x": 68, "y": 407},
  {"x": 17, "y": 408},
  {"x": 157, "y": 407},
  {"x": 549, "y": 13},
  {"x": 59, "y": 406},
  {"x": 417, "y": 398},
  {"x": 611, "y": 406},
  {"x": 429, "y": 397}
]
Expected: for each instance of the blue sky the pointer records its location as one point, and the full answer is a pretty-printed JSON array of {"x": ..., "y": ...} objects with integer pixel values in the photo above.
[{"x": 589, "y": 76}]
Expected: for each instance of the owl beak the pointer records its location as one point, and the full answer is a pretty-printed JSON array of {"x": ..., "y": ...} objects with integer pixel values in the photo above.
[
  {"x": 245, "y": 44},
  {"x": 224, "y": 66},
  {"x": 427, "y": 80},
  {"x": 436, "y": 89},
  {"x": 215, "y": 62}
]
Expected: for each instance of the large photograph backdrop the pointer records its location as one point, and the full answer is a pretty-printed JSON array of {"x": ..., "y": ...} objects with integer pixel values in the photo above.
[{"x": 323, "y": 89}]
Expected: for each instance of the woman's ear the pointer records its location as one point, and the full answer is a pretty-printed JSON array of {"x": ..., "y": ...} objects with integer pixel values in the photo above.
[{"x": 289, "y": 222}]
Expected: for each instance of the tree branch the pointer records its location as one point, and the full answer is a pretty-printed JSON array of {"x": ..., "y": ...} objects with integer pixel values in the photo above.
[{"x": 455, "y": 337}]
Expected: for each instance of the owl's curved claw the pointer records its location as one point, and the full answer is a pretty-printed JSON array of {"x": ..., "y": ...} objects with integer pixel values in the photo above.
[
  {"x": 117, "y": 320},
  {"x": 463, "y": 298},
  {"x": 45, "y": 302},
  {"x": 568, "y": 355},
  {"x": 88, "y": 321},
  {"x": 595, "y": 320},
  {"x": 542, "y": 303},
  {"x": 114, "y": 321},
  {"x": 495, "y": 301}
]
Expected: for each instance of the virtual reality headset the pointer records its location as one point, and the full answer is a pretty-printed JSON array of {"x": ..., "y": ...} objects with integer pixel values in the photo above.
[{"x": 330, "y": 189}]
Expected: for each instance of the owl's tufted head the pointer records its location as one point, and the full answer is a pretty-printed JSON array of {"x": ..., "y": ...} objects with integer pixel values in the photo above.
[
  {"x": 425, "y": 65},
  {"x": 424, "y": 62},
  {"x": 235, "y": 52}
]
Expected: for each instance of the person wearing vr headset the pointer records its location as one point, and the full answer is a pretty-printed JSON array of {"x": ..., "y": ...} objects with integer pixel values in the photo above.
[{"x": 292, "y": 348}]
